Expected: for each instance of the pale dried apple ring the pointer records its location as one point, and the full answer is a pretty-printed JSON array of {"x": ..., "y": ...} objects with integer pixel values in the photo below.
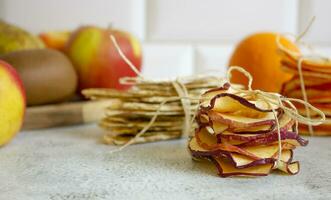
[
  {"x": 221, "y": 124},
  {"x": 237, "y": 123},
  {"x": 238, "y": 160},
  {"x": 285, "y": 123},
  {"x": 242, "y": 161},
  {"x": 289, "y": 168},
  {"x": 256, "y": 168},
  {"x": 209, "y": 142},
  {"x": 226, "y": 169},
  {"x": 230, "y": 103},
  {"x": 270, "y": 138},
  {"x": 307, "y": 64},
  {"x": 315, "y": 83},
  {"x": 286, "y": 136}
]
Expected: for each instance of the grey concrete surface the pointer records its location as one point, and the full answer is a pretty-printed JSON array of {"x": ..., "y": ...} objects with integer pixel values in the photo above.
[{"x": 71, "y": 163}]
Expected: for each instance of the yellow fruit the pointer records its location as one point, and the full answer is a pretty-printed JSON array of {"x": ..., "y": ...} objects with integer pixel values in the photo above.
[
  {"x": 12, "y": 103},
  {"x": 13, "y": 38},
  {"x": 258, "y": 54}
]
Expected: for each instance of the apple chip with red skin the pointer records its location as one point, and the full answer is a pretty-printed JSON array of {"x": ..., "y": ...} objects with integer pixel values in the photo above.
[
  {"x": 239, "y": 134},
  {"x": 312, "y": 76},
  {"x": 226, "y": 111},
  {"x": 316, "y": 65},
  {"x": 241, "y": 157}
]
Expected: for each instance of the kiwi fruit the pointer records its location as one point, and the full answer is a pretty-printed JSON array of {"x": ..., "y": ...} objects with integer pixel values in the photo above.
[{"x": 48, "y": 75}]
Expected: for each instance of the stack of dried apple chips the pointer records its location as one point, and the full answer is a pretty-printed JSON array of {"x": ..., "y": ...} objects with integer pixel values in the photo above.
[
  {"x": 136, "y": 107},
  {"x": 317, "y": 84},
  {"x": 238, "y": 133}
]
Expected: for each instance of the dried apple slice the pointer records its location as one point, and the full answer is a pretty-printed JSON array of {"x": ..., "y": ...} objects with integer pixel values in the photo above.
[
  {"x": 203, "y": 120},
  {"x": 218, "y": 128},
  {"x": 209, "y": 142},
  {"x": 241, "y": 121},
  {"x": 307, "y": 63},
  {"x": 208, "y": 95},
  {"x": 326, "y": 108},
  {"x": 289, "y": 168},
  {"x": 246, "y": 167},
  {"x": 263, "y": 138},
  {"x": 288, "y": 137},
  {"x": 198, "y": 151},
  {"x": 228, "y": 111},
  {"x": 238, "y": 123},
  {"x": 287, "y": 155},
  {"x": 215, "y": 91},
  {"x": 321, "y": 130},
  {"x": 253, "y": 130},
  {"x": 226, "y": 169},
  {"x": 227, "y": 100},
  {"x": 306, "y": 73},
  {"x": 313, "y": 83},
  {"x": 262, "y": 151},
  {"x": 314, "y": 96},
  {"x": 235, "y": 104},
  {"x": 242, "y": 161},
  {"x": 238, "y": 160},
  {"x": 285, "y": 123},
  {"x": 306, "y": 67}
]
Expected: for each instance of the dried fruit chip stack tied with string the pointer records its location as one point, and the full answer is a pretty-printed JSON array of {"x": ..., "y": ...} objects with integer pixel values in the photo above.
[
  {"x": 238, "y": 133},
  {"x": 139, "y": 104},
  {"x": 317, "y": 82}
]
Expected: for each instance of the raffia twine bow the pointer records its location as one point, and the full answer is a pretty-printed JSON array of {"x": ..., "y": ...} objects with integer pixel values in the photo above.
[
  {"x": 272, "y": 100},
  {"x": 276, "y": 100}
]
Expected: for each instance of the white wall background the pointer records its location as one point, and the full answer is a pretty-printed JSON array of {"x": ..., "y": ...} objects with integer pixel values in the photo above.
[{"x": 179, "y": 37}]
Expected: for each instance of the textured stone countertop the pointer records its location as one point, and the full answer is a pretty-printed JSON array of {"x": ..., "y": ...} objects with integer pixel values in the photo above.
[{"x": 72, "y": 163}]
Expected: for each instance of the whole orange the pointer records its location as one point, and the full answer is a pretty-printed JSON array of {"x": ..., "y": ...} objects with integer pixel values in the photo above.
[{"x": 258, "y": 54}]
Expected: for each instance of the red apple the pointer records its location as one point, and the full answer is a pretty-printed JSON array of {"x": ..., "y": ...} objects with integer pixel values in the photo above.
[
  {"x": 96, "y": 59},
  {"x": 12, "y": 103}
]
